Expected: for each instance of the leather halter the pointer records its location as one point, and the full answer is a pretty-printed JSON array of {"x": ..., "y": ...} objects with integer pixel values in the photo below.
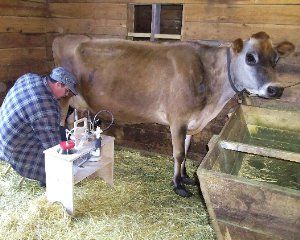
[{"x": 229, "y": 74}]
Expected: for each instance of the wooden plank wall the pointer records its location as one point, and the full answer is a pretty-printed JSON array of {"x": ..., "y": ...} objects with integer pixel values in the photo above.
[
  {"x": 93, "y": 19},
  {"x": 104, "y": 20},
  {"x": 22, "y": 40},
  {"x": 228, "y": 20}
]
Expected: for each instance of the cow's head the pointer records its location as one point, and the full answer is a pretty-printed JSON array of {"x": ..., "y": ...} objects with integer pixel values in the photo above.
[{"x": 253, "y": 63}]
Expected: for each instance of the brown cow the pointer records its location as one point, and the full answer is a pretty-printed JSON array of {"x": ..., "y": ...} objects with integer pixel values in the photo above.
[{"x": 184, "y": 85}]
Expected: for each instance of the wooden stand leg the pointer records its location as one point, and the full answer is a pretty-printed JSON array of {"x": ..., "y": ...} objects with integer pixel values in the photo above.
[
  {"x": 59, "y": 182},
  {"x": 106, "y": 173}
]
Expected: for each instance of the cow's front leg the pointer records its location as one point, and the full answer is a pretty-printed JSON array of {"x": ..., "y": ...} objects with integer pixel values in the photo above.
[
  {"x": 184, "y": 176},
  {"x": 178, "y": 136}
]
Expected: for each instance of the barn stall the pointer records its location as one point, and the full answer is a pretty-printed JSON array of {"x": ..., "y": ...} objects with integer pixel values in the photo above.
[{"x": 29, "y": 27}]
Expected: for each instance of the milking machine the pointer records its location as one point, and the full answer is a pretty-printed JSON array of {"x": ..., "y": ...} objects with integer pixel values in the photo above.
[{"x": 85, "y": 135}]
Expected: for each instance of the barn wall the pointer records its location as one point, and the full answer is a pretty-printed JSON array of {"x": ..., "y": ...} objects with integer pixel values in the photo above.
[
  {"x": 105, "y": 20},
  {"x": 27, "y": 29},
  {"x": 22, "y": 40},
  {"x": 239, "y": 19}
]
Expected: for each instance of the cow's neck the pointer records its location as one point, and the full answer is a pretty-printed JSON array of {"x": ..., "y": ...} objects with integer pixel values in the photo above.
[{"x": 220, "y": 90}]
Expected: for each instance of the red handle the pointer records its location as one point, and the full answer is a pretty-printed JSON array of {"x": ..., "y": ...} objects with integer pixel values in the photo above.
[{"x": 67, "y": 145}]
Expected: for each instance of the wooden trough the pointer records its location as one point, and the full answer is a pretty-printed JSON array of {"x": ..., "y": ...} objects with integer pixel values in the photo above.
[{"x": 250, "y": 178}]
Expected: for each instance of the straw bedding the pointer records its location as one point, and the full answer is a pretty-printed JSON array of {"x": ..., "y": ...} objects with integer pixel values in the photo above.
[{"x": 142, "y": 205}]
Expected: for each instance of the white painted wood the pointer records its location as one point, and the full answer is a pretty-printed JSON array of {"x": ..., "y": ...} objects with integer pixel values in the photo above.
[
  {"x": 106, "y": 173},
  {"x": 62, "y": 174},
  {"x": 157, "y": 35},
  {"x": 142, "y": 35},
  {"x": 107, "y": 154},
  {"x": 167, "y": 36},
  {"x": 59, "y": 181},
  {"x": 91, "y": 167}
]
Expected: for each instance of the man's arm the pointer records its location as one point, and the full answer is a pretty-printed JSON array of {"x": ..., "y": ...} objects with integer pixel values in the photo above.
[{"x": 47, "y": 130}]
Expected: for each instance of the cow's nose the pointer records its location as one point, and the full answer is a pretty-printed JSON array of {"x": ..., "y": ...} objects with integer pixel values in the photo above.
[{"x": 274, "y": 91}]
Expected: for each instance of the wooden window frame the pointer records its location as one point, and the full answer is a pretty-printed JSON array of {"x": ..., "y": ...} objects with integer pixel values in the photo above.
[{"x": 155, "y": 25}]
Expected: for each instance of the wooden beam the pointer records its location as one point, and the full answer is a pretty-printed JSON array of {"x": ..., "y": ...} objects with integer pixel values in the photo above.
[
  {"x": 249, "y": 14},
  {"x": 262, "y": 151},
  {"x": 155, "y": 23},
  {"x": 274, "y": 2},
  {"x": 224, "y": 31},
  {"x": 168, "y": 36},
  {"x": 23, "y": 9},
  {"x": 88, "y": 10},
  {"x": 160, "y": 36},
  {"x": 87, "y": 26},
  {"x": 20, "y": 56},
  {"x": 20, "y": 40},
  {"x": 141, "y": 35},
  {"x": 22, "y": 24},
  {"x": 271, "y": 2},
  {"x": 130, "y": 18},
  {"x": 12, "y": 72},
  {"x": 38, "y": 1}
]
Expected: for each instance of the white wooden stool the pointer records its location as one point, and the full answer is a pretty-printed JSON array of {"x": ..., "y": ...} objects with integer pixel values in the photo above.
[{"x": 62, "y": 172}]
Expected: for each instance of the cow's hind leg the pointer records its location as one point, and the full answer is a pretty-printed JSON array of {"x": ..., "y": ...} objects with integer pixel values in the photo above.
[
  {"x": 178, "y": 136},
  {"x": 184, "y": 176}
]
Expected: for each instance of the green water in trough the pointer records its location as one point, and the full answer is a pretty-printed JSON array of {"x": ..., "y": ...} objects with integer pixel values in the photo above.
[
  {"x": 264, "y": 169},
  {"x": 274, "y": 138},
  {"x": 280, "y": 172}
]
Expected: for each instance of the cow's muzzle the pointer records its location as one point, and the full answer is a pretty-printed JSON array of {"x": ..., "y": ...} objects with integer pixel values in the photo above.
[{"x": 274, "y": 91}]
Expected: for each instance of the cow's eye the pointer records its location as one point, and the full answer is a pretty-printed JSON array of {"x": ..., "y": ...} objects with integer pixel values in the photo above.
[
  {"x": 275, "y": 61},
  {"x": 250, "y": 59}
]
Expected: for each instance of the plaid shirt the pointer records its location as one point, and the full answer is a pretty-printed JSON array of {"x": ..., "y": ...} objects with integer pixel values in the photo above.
[{"x": 29, "y": 124}]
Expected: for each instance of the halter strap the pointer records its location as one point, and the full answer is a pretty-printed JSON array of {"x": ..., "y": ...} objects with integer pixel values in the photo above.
[{"x": 228, "y": 72}]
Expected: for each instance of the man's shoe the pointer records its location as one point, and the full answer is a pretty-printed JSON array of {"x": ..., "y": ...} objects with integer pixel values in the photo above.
[{"x": 42, "y": 184}]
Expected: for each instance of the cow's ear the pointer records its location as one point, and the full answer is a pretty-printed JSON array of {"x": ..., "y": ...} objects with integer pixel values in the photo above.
[
  {"x": 237, "y": 45},
  {"x": 285, "y": 48}
]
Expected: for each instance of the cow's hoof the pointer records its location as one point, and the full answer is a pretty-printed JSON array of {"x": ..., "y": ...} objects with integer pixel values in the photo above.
[
  {"x": 182, "y": 192},
  {"x": 189, "y": 181}
]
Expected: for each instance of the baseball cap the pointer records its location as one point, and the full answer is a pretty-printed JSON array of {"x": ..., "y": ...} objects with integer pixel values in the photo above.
[{"x": 62, "y": 75}]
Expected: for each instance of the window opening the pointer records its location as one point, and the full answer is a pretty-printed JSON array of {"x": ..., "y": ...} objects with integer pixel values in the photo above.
[{"x": 155, "y": 22}]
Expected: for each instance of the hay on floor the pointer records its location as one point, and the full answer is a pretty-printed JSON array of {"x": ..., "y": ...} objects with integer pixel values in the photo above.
[{"x": 142, "y": 205}]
